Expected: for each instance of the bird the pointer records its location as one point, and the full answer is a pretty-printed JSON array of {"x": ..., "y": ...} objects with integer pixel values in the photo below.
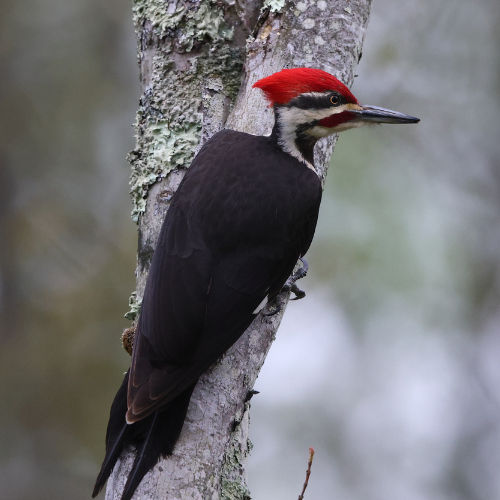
[{"x": 244, "y": 213}]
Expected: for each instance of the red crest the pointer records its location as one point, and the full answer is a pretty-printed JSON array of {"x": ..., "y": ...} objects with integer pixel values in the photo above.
[{"x": 283, "y": 86}]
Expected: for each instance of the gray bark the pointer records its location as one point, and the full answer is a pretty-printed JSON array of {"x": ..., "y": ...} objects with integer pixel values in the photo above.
[{"x": 198, "y": 61}]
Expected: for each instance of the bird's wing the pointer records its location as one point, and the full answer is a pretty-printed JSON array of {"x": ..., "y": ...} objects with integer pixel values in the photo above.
[
  {"x": 208, "y": 276},
  {"x": 229, "y": 311}
]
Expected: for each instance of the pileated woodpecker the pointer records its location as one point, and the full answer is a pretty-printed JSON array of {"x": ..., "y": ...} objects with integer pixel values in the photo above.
[{"x": 243, "y": 215}]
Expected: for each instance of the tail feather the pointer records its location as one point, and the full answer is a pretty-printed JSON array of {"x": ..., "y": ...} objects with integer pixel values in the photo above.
[
  {"x": 162, "y": 434},
  {"x": 115, "y": 435},
  {"x": 109, "y": 462},
  {"x": 146, "y": 457},
  {"x": 152, "y": 437}
]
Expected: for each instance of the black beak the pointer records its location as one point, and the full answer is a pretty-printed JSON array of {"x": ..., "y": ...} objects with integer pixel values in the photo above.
[{"x": 382, "y": 115}]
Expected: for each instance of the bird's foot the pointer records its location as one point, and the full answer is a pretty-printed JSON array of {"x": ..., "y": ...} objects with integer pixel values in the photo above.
[
  {"x": 274, "y": 307},
  {"x": 299, "y": 294},
  {"x": 301, "y": 271},
  {"x": 291, "y": 285}
]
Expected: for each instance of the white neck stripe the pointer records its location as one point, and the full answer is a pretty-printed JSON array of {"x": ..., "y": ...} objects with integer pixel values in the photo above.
[{"x": 288, "y": 135}]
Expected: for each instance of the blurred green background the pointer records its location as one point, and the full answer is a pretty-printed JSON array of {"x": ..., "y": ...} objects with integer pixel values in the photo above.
[{"x": 389, "y": 368}]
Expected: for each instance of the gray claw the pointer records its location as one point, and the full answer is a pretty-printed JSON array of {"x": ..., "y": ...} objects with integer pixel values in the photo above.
[
  {"x": 297, "y": 275},
  {"x": 299, "y": 294}
]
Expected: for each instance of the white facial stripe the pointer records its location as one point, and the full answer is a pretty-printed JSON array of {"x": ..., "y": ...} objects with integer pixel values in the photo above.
[
  {"x": 290, "y": 119},
  {"x": 297, "y": 116},
  {"x": 315, "y": 94},
  {"x": 319, "y": 131},
  {"x": 288, "y": 128}
]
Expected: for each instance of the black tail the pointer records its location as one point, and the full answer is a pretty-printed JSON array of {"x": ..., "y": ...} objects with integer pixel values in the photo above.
[
  {"x": 161, "y": 435},
  {"x": 152, "y": 437},
  {"x": 115, "y": 435}
]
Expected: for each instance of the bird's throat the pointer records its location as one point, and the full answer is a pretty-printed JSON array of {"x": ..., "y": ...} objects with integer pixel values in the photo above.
[{"x": 292, "y": 139}]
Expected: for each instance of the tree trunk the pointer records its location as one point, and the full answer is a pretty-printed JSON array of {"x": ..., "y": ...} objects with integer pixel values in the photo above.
[{"x": 198, "y": 61}]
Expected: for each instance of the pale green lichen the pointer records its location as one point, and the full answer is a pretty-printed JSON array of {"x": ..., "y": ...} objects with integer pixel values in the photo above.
[
  {"x": 234, "y": 490},
  {"x": 233, "y": 486},
  {"x": 170, "y": 116},
  {"x": 206, "y": 22},
  {"x": 274, "y": 5},
  {"x": 157, "y": 12},
  {"x": 189, "y": 24},
  {"x": 164, "y": 148},
  {"x": 224, "y": 64},
  {"x": 134, "y": 307}
]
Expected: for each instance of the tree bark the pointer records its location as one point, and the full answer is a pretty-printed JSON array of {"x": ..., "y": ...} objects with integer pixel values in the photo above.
[{"x": 198, "y": 61}]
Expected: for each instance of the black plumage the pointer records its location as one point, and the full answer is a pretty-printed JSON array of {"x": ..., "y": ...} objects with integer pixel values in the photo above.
[
  {"x": 244, "y": 213},
  {"x": 242, "y": 216}
]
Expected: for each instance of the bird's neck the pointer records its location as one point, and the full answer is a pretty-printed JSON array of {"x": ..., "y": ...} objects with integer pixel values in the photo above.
[{"x": 292, "y": 140}]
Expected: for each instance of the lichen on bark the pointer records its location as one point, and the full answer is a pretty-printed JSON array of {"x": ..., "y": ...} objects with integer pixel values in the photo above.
[
  {"x": 274, "y": 5},
  {"x": 185, "y": 56},
  {"x": 233, "y": 484},
  {"x": 189, "y": 22}
]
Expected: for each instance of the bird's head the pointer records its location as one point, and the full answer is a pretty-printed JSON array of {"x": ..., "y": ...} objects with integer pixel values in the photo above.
[{"x": 311, "y": 103}]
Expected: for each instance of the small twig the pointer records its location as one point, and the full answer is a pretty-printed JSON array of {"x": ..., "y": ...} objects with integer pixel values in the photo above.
[{"x": 308, "y": 473}]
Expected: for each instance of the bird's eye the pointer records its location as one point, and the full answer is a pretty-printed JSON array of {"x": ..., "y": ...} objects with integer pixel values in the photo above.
[{"x": 335, "y": 99}]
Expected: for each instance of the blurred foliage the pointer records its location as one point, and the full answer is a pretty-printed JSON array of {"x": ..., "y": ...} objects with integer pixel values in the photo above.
[
  {"x": 389, "y": 367},
  {"x": 68, "y": 97}
]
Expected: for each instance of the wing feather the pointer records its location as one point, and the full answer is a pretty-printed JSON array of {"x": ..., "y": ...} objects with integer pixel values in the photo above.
[{"x": 231, "y": 237}]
